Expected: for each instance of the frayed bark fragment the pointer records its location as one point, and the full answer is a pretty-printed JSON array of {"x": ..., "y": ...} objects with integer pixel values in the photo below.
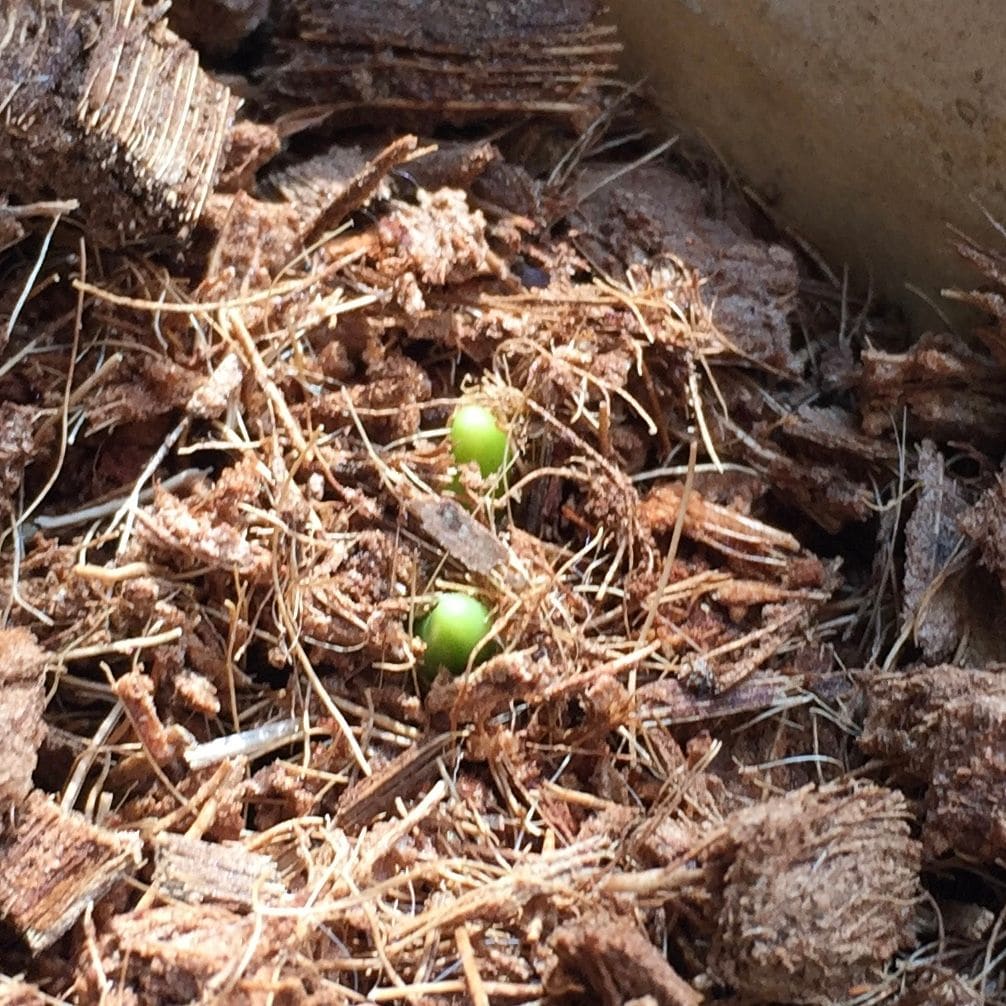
[
  {"x": 53, "y": 863},
  {"x": 105, "y": 105}
]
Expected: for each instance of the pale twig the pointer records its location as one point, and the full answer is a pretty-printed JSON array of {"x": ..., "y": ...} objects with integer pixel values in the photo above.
[
  {"x": 30, "y": 283},
  {"x": 86, "y": 758},
  {"x": 127, "y": 511},
  {"x": 55, "y": 522},
  {"x": 672, "y": 549},
  {"x": 700, "y": 416},
  {"x": 63, "y": 417},
  {"x": 208, "y": 307},
  {"x": 249, "y": 744},
  {"x": 109, "y": 575},
  {"x": 52, "y": 208},
  {"x": 623, "y": 170},
  {"x": 476, "y": 987},
  {"x": 121, "y": 647},
  {"x": 455, "y": 987}
]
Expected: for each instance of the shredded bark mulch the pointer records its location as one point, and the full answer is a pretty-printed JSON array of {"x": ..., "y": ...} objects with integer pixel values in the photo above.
[{"x": 740, "y": 732}]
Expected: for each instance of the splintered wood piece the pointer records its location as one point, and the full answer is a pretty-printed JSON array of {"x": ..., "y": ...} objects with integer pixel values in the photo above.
[
  {"x": 102, "y": 103},
  {"x": 358, "y": 189},
  {"x": 944, "y": 390},
  {"x": 447, "y": 62},
  {"x": 373, "y": 795},
  {"x": 22, "y": 702},
  {"x": 992, "y": 302},
  {"x": 195, "y": 871},
  {"x": 717, "y": 526},
  {"x": 52, "y": 863},
  {"x": 669, "y": 701},
  {"x": 459, "y": 534},
  {"x": 615, "y": 962},
  {"x": 184, "y": 953}
]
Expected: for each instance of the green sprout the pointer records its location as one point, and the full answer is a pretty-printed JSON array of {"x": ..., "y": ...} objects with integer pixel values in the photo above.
[
  {"x": 455, "y": 627},
  {"x": 477, "y": 436}
]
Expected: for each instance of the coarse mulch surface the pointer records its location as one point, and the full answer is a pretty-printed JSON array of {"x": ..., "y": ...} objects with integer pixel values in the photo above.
[{"x": 740, "y": 730}]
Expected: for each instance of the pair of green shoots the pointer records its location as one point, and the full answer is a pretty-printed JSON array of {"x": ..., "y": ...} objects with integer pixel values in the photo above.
[{"x": 457, "y": 623}]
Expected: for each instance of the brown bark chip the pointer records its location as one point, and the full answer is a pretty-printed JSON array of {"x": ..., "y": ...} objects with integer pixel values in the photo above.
[
  {"x": 658, "y": 223},
  {"x": 902, "y": 720},
  {"x": 52, "y": 863},
  {"x": 965, "y": 808},
  {"x": 984, "y": 524},
  {"x": 195, "y": 871},
  {"x": 183, "y": 954},
  {"x": 18, "y": 424},
  {"x": 903, "y": 711},
  {"x": 943, "y": 389},
  {"x": 446, "y": 61},
  {"x": 931, "y": 537},
  {"x": 614, "y": 962},
  {"x": 939, "y": 986},
  {"x": 170, "y": 526},
  {"x": 819, "y": 895},
  {"x": 948, "y": 727},
  {"x": 459, "y": 534},
  {"x": 109, "y": 107},
  {"x": 22, "y": 701}
]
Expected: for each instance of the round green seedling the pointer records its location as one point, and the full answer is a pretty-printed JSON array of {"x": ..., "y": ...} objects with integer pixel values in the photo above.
[
  {"x": 477, "y": 436},
  {"x": 454, "y": 628}
]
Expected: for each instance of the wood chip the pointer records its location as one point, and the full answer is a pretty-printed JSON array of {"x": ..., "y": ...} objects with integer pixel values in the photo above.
[
  {"x": 190, "y": 953},
  {"x": 948, "y": 724},
  {"x": 401, "y": 777},
  {"x": 459, "y": 534},
  {"x": 614, "y": 961},
  {"x": 195, "y": 871},
  {"x": 447, "y": 62},
  {"x": 358, "y": 189},
  {"x": 53, "y": 863},
  {"x": 940, "y": 387},
  {"x": 22, "y": 701},
  {"x": 105, "y": 105}
]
